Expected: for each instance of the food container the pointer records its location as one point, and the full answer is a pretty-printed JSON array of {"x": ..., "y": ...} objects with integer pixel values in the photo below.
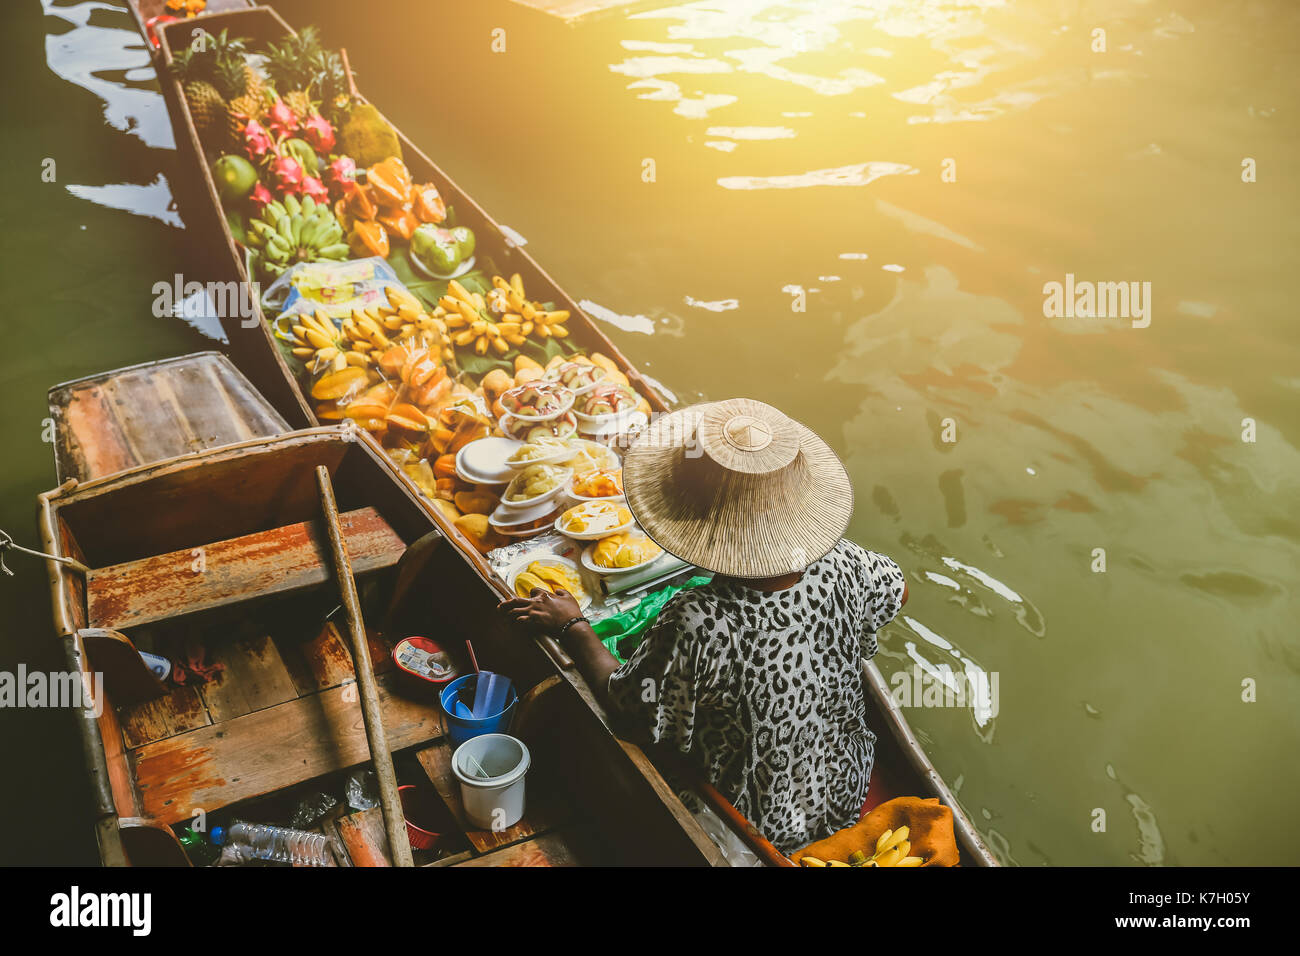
[
  {"x": 420, "y": 807},
  {"x": 461, "y": 729},
  {"x": 496, "y": 801},
  {"x": 576, "y": 479},
  {"x": 562, "y": 527},
  {"x": 512, "y": 576},
  {"x": 571, "y": 373},
  {"x": 566, "y": 426},
  {"x": 620, "y": 399},
  {"x": 562, "y": 452},
  {"x": 423, "y": 662},
  {"x": 484, "y": 461},
  {"x": 562, "y": 482},
  {"x": 537, "y": 401},
  {"x": 523, "y": 522},
  {"x": 589, "y": 562}
]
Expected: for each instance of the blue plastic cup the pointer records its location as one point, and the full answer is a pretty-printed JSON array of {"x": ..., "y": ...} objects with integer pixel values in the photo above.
[{"x": 461, "y": 729}]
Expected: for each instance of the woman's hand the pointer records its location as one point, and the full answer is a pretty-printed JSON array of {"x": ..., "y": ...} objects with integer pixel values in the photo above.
[{"x": 542, "y": 610}]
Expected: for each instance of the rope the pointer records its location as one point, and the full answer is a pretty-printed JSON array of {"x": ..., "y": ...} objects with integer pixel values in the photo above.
[{"x": 7, "y": 544}]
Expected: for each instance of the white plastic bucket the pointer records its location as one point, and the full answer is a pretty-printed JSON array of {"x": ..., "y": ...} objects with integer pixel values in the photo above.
[{"x": 496, "y": 801}]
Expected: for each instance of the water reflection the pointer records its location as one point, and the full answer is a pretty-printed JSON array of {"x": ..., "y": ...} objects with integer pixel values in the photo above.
[{"x": 112, "y": 63}]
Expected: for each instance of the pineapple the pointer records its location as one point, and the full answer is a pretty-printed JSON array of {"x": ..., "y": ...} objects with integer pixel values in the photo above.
[
  {"x": 206, "y": 106},
  {"x": 301, "y": 65},
  {"x": 300, "y": 103},
  {"x": 222, "y": 89},
  {"x": 240, "y": 110}
]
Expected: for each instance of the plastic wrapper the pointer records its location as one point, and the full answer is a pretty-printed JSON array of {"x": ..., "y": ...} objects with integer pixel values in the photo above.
[
  {"x": 311, "y": 809},
  {"x": 362, "y": 790},
  {"x": 328, "y": 284}
]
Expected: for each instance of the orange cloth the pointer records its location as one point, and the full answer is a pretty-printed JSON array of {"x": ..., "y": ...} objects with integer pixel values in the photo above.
[{"x": 929, "y": 823}]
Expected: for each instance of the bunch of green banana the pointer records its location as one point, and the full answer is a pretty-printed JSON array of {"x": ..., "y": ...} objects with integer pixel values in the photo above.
[
  {"x": 291, "y": 230},
  {"x": 891, "y": 850}
]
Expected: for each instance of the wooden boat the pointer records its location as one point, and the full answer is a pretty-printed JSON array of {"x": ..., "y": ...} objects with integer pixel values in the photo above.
[
  {"x": 902, "y": 767},
  {"x": 219, "y": 553}
]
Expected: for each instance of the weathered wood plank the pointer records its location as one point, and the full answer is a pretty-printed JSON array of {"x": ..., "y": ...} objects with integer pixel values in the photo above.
[
  {"x": 270, "y": 749},
  {"x": 122, "y": 419},
  {"x": 553, "y": 849},
  {"x": 178, "y": 712},
  {"x": 277, "y": 562},
  {"x": 252, "y": 677},
  {"x": 364, "y": 838}
]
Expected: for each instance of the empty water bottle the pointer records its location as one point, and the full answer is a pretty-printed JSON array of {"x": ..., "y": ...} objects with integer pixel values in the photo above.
[{"x": 256, "y": 841}]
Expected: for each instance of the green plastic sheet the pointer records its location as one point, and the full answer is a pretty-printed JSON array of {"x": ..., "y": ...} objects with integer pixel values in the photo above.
[{"x": 621, "y": 633}]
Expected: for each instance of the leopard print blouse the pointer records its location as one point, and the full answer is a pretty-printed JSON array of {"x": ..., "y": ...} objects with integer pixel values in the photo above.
[{"x": 764, "y": 692}]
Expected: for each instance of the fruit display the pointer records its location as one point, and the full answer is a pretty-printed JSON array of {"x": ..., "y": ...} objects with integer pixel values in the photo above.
[
  {"x": 393, "y": 317},
  {"x": 380, "y": 206},
  {"x": 892, "y": 849},
  {"x": 592, "y": 517},
  {"x": 295, "y": 231},
  {"x": 534, "y": 483},
  {"x": 599, "y": 484},
  {"x": 549, "y": 577},
  {"x": 625, "y": 550}
]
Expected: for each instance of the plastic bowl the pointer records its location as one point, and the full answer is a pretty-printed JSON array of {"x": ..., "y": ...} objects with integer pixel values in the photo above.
[{"x": 461, "y": 729}]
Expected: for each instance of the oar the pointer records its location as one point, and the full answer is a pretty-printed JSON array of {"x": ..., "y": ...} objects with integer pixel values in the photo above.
[{"x": 371, "y": 715}]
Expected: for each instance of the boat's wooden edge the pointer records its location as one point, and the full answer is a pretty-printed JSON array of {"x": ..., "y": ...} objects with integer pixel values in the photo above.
[
  {"x": 968, "y": 838},
  {"x": 96, "y": 378}
]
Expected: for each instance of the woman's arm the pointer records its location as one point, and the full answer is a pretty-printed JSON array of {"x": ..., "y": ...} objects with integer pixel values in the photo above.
[{"x": 546, "y": 612}]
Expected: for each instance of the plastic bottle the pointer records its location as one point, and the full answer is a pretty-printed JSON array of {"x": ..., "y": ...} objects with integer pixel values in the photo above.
[
  {"x": 199, "y": 850},
  {"x": 257, "y": 841}
]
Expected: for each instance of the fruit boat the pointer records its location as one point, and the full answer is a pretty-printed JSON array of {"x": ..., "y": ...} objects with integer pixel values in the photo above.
[{"x": 902, "y": 767}]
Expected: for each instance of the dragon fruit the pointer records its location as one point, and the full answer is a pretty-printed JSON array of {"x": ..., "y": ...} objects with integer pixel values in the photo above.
[
  {"x": 317, "y": 131},
  {"x": 287, "y": 173},
  {"x": 259, "y": 197},
  {"x": 340, "y": 171},
  {"x": 283, "y": 120},
  {"x": 313, "y": 187},
  {"x": 257, "y": 141}
]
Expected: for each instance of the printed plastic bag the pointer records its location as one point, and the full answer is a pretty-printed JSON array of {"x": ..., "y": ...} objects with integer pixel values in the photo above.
[{"x": 328, "y": 284}]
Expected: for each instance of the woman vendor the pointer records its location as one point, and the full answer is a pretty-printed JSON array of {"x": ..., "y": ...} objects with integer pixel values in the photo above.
[{"x": 755, "y": 678}]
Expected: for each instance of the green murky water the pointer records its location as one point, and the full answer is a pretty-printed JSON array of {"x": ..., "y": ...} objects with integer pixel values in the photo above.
[{"x": 799, "y": 153}]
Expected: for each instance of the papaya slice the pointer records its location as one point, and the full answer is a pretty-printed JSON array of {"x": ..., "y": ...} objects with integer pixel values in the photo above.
[{"x": 335, "y": 385}]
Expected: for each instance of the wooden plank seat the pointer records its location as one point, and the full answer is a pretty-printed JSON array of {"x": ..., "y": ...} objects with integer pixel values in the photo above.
[
  {"x": 221, "y": 764},
  {"x": 278, "y": 562}
]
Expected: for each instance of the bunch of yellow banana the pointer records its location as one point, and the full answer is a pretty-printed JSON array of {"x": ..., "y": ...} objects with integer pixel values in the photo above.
[
  {"x": 891, "y": 850},
  {"x": 501, "y": 320},
  {"x": 372, "y": 331},
  {"x": 318, "y": 342},
  {"x": 508, "y": 299}
]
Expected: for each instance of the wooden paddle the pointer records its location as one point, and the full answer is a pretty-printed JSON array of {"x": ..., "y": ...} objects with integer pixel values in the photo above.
[{"x": 371, "y": 714}]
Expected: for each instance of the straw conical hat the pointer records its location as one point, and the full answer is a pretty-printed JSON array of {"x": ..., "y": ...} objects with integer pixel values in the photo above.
[{"x": 737, "y": 488}]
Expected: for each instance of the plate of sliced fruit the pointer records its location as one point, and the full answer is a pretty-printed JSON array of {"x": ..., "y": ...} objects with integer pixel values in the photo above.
[
  {"x": 593, "y": 520},
  {"x": 620, "y": 553},
  {"x": 598, "y": 485},
  {"x": 579, "y": 377},
  {"x": 548, "y": 573},
  {"x": 537, "y": 401}
]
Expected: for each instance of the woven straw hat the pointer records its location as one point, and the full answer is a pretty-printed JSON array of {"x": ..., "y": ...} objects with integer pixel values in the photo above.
[{"x": 737, "y": 488}]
